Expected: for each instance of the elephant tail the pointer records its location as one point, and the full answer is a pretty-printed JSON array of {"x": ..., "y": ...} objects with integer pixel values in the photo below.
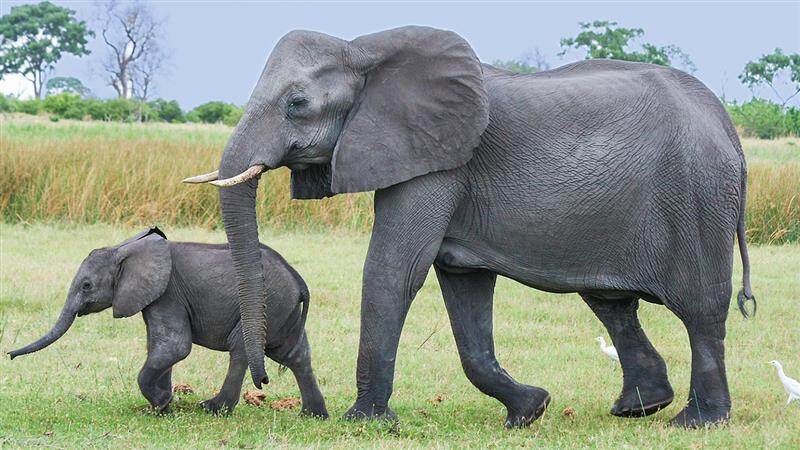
[
  {"x": 746, "y": 293},
  {"x": 305, "y": 300}
]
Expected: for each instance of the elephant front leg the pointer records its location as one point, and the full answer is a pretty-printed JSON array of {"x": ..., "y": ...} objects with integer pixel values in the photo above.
[
  {"x": 468, "y": 298},
  {"x": 169, "y": 341},
  {"x": 645, "y": 386},
  {"x": 155, "y": 384},
  {"x": 410, "y": 222}
]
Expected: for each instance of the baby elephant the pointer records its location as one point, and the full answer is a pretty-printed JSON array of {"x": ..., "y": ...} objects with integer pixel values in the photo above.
[{"x": 187, "y": 294}]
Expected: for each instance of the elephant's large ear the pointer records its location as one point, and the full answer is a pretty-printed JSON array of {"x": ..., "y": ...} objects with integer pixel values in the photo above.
[
  {"x": 144, "y": 268},
  {"x": 422, "y": 109}
]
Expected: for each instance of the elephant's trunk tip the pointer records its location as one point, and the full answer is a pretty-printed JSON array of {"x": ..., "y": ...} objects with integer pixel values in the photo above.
[{"x": 260, "y": 379}]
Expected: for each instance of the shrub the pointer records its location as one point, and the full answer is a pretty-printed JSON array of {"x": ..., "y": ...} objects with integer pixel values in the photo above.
[
  {"x": 759, "y": 118},
  {"x": 215, "y": 112},
  {"x": 7, "y": 104},
  {"x": 167, "y": 111},
  {"x": 192, "y": 117},
  {"x": 66, "y": 105},
  {"x": 121, "y": 110},
  {"x": 59, "y": 103},
  {"x": 32, "y": 107},
  {"x": 233, "y": 116},
  {"x": 792, "y": 120},
  {"x": 115, "y": 110}
]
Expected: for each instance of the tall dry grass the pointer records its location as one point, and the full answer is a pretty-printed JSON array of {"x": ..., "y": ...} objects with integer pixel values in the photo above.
[{"x": 129, "y": 174}]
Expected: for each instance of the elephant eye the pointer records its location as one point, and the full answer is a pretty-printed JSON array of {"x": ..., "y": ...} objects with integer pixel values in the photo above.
[
  {"x": 294, "y": 105},
  {"x": 86, "y": 285}
]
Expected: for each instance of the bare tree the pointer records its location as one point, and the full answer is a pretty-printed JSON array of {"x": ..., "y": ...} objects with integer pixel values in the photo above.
[
  {"x": 132, "y": 33},
  {"x": 535, "y": 58},
  {"x": 145, "y": 71}
]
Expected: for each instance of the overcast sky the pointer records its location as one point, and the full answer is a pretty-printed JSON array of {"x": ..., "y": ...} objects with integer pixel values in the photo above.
[{"x": 219, "y": 48}]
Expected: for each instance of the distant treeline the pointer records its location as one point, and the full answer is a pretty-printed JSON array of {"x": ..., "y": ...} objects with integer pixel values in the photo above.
[
  {"x": 756, "y": 118},
  {"x": 764, "y": 119},
  {"x": 68, "y": 105}
]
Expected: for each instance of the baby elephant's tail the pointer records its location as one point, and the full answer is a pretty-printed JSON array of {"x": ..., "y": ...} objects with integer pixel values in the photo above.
[
  {"x": 304, "y": 299},
  {"x": 746, "y": 293}
]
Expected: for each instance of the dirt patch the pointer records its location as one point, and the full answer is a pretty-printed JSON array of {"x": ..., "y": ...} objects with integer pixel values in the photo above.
[
  {"x": 569, "y": 412},
  {"x": 183, "y": 389},
  {"x": 438, "y": 398},
  {"x": 285, "y": 403},
  {"x": 255, "y": 398}
]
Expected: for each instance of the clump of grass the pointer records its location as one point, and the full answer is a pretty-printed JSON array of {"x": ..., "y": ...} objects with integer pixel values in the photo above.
[
  {"x": 129, "y": 174},
  {"x": 773, "y": 203}
]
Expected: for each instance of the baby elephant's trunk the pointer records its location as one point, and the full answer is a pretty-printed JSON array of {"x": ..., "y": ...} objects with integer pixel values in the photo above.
[{"x": 62, "y": 325}]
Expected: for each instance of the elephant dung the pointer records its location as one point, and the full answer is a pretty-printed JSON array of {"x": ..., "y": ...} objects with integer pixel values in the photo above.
[
  {"x": 285, "y": 403},
  {"x": 254, "y": 398},
  {"x": 183, "y": 389}
]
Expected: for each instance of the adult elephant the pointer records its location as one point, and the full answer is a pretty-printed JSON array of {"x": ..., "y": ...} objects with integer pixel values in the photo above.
[{"x": 615, "y": 180}]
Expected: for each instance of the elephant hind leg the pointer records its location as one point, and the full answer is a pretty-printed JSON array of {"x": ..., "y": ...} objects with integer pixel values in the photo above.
[
  {"x": 645, "y": 386},
  {"x": 709, "y": 398},
  {"x": 468, "y": 298}
]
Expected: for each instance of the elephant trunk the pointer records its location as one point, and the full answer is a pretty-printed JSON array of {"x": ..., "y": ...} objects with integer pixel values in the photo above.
[
  {"x": 65, "y": 320},
  {"x": 248, "y": 154},
  {"x": 239, "y": 214}
]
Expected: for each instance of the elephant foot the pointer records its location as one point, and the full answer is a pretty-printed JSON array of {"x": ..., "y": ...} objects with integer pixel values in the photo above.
[
  {"x": 218, "y": 406},
  {"x": 316, "y": 413},
  {"x": 529, "y": 408},
  {"x": 161, "y": 403},
  {"x": 643, "y": 401},
  {"x": 370, "y": 412},
  {"x": 692, "y": 417}
]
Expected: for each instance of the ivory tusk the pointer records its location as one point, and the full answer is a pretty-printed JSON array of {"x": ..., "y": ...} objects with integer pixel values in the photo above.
[
  {"x": 247, "y": 175},
  {"x": 205, "y": 178}
]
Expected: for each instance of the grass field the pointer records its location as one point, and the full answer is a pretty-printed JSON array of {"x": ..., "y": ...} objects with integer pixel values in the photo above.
[
  {"x": 129, "y": 174},
  {"x": 81, "y": 392}
]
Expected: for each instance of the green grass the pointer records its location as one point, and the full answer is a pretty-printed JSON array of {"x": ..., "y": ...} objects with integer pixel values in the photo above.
[{"x": 81, "y": 392}]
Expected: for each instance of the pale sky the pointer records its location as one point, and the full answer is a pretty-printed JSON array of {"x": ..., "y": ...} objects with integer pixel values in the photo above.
[{"x": 219, "y": 48}]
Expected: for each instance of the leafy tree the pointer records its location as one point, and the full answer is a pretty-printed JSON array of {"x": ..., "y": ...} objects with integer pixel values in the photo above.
[
  {"x": 34, "y": 37},
  {"x": 765, "y": 70},
  {"x": 605, "y": 40},
  {"x": 59, "y": 85}
]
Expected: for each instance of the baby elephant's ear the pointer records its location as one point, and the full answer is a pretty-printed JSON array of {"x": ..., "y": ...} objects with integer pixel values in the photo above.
[{"x": 143, "y": 271}]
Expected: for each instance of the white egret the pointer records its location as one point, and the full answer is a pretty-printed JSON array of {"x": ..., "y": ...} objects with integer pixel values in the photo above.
[
  {"x": 791, "y": 386},
  {"x": 608, "y": 350}
]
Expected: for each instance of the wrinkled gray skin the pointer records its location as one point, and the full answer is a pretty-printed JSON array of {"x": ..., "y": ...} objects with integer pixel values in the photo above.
[
  {"x": 186, "y": 295},
  {"x": 618, "y": 181}
]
